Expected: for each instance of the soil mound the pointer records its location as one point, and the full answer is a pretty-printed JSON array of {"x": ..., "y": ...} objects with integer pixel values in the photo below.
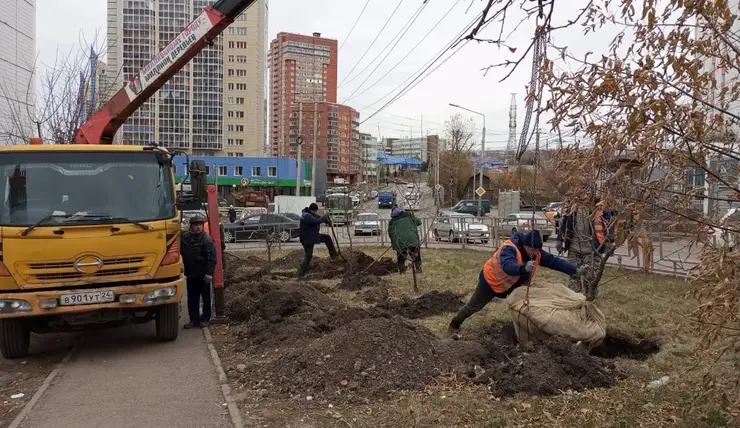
[
  {"x": 374, "y": 294},
  {"x": 360, "y": 281},
  {"x": 546, "y": 368},
  {"x": 617, "y": 345},
  {"x": 353, "y": 262},
  {"x": 426, "y": 305},
  {"x": 242, "y": 268},
  {"x": 274, "y": 312},
  {"x": 364, "y": 359}
]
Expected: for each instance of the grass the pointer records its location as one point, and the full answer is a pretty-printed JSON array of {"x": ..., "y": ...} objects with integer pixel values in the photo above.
[{"x": 634, "y": 303}]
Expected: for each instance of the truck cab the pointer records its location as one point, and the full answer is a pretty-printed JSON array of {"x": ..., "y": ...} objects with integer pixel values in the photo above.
[{"x": 88, "y": 235}]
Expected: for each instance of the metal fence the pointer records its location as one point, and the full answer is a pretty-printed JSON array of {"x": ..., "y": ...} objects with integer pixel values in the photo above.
[{"x": 671, "y": 254}]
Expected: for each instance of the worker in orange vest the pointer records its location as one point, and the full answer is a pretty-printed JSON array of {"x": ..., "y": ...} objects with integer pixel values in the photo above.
[{"x": 513, "y": 264}]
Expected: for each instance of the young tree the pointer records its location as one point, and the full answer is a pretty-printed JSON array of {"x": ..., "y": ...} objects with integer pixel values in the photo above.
[
  {"x": 661, "y": 110},
  {"x": 64, "y": 96},
  {"x": 454, "y": 159}
]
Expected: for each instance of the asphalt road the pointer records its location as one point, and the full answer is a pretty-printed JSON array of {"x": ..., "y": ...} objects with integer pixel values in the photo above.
[{"x": 124, "y": 378}]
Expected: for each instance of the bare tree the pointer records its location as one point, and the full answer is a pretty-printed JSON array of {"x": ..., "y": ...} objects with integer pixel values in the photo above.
[
  {"x": 63, "y": 98},
  {"x": 455, "y": 165}
]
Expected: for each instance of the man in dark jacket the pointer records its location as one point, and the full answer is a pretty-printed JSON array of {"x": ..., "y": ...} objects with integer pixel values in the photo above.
[
  {"x": 309, "y": 236},
  {"x": 513, "y": 264},
  {"x": 199, "y": 257},
  {"x": 404, "y": 236},
  {"x": 232, "y": 214}
]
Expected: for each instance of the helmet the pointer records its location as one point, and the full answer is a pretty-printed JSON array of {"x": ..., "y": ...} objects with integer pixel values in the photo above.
[{"x": 198, "y": 219}]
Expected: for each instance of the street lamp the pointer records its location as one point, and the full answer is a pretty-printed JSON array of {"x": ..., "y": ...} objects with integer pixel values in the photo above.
[{"x": 482, "y": 152}]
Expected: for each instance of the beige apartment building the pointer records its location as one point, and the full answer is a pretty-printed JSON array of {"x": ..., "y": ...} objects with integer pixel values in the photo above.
[{"x": 208, "y": 108}]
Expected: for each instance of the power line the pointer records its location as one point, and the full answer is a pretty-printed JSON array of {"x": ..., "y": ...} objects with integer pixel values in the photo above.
[
  {"x": 402, "y": 32},
  {"x": 414, "y": 82},
  {"x": 373, "y": 42},
  {"x": 428, "y": 64},
  {"x": 395, "y": 66},
  {"x": 353, "y": 26}
]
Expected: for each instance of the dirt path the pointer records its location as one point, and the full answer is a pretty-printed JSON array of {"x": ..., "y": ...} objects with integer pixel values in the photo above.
[{"x": 124, "y": 378}]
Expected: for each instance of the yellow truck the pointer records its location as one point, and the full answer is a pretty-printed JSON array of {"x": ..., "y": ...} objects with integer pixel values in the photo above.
[{"x": 88, "y": 235}]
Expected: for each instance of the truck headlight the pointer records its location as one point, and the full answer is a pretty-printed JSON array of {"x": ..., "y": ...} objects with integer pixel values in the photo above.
[
  {"x": 159, "y": 294},
  {"x": 11, "y": 306}
]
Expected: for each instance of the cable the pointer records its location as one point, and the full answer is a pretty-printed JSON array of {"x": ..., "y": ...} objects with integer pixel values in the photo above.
[
  {"x": 404, "y": 29},
  {"x": 353, "y": 26},
  {"x": 429, "y": 63},
  {"x": 373, "y": 42},
  {"x": 395, "y": 66}
]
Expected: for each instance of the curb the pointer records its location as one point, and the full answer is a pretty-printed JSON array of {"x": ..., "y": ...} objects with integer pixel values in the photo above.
[
  {"x": 44, "y": 386},
  {"x": 234, "y": 413}
]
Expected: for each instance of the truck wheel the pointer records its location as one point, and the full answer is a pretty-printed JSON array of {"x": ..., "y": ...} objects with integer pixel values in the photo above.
[
  {"x": 16, "y": 338},
  {"x": 168, "y": 317}
]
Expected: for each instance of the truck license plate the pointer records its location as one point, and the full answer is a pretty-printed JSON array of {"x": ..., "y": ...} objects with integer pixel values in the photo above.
[{"x": 104, "y": 296}]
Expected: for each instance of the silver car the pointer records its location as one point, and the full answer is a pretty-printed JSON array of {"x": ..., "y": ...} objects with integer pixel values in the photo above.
[
  {"x": 454, "y": 227},
  {"x": 367, "y": 223},
  {"x": 523, "y": 222}
]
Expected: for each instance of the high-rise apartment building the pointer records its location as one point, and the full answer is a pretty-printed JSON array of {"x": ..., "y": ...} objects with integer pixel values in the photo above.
[
  {"x": 245, "y": 49},
  {"x": 190, "y": 111},
  {"x": 302, "y": 68},
  {"x": 17, "y": 62},
  {"x": 336, "y": 134}
]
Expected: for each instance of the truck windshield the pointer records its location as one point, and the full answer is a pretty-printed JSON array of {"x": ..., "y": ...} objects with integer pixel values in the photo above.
[
  {"x": 85, "y": 187},
  {"x": 342, "y": 202}
]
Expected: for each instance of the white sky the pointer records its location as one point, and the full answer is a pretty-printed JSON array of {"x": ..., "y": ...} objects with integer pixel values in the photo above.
[{"x": 63, "y": 26}]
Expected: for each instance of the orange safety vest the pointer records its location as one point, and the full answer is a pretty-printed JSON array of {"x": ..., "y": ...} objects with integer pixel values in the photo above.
[
  {"x": 599, "y": 228},
  {"x": 495, "y": 276}
]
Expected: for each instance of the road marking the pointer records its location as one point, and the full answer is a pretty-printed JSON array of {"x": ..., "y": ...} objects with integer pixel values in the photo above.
[
  {"x": 44, "y": 386},
  {"x": 234, "y": 413}
]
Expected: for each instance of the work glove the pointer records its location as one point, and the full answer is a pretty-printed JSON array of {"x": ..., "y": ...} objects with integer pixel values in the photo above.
[
  {"x": 529, "y": 267},
  {"x": 581, "y": 271},
  {"x": 208, "y": 279},
  {"x": 559, "y": 246}
]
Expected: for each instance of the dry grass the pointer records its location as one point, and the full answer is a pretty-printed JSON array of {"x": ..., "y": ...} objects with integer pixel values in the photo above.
[{"x": 634, "y": 303}]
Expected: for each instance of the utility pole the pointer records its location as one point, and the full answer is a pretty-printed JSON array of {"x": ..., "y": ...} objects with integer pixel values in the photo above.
[
  {"x": 299, "y": 148},
  {"x": 315, "y": 123}
]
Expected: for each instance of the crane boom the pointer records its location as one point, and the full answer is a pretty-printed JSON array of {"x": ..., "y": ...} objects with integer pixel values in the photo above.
[{"x": 101, "y": 127}]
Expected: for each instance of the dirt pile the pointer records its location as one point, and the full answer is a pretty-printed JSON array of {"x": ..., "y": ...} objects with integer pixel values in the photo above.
[
  {"x": 360, "y": 281},
  {"x": 271, "y": 312},
  {"x": 426, "y": 305},
  {"x": 546, "y": 368},
  {"x": 352, "y": 263},
  {"x": 618, "y": 345},
  {"x": 242, "y": 268},
  {"x": 364, "y": 359}
]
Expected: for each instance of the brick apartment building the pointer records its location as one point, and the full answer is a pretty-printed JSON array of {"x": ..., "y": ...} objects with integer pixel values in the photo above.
[
  {"x": 303, "y": 79},
  {"x": 336, "y": 134}
]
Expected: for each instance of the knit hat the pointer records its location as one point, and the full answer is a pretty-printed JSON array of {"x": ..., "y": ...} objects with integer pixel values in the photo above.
[
  {"x": 396, "y": 212},
  {"x": 313, "y": 207},
  {"x": 532, "y": 239}
]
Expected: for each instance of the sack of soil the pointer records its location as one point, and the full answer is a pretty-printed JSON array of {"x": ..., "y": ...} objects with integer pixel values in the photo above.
[{"x": 545, "y": 310}]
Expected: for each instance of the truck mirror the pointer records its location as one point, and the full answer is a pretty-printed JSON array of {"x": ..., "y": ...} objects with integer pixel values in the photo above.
[{"x": 199, "y": 180}]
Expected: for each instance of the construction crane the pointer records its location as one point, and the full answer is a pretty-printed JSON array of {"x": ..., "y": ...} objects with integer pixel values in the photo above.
[{"x": 101, "y": 127}]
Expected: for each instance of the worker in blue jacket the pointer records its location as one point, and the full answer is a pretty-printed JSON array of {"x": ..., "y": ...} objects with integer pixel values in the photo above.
[
  {"x": 513, "y": 264},
  {"x": 310, "y": 235}
]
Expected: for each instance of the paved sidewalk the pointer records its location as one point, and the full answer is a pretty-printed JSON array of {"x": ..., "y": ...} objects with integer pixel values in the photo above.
[{"x": 124, "y": 378}]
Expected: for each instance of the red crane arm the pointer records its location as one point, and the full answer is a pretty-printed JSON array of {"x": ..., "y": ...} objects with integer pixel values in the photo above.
[{"x": 102, "y": 126}]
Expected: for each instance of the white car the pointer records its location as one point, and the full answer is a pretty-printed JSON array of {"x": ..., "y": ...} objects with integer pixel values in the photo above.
[
  {"x": 522, "y": 222},
  {"x": 455, "y": 226},
  {"x": 367, "y": 223},
  {"x": 731, "y": 220}
]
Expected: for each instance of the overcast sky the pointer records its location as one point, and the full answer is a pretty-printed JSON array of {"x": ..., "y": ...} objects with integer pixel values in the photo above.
[{"x": 63, "y": 26}]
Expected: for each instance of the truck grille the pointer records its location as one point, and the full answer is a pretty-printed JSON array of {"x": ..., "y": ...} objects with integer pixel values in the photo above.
[
  {"x": 65, "y": 270},
  {"x": 73, "y": 275}
]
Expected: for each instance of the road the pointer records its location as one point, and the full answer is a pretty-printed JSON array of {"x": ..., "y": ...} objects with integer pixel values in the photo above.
[{"x": 124, "y": 378}]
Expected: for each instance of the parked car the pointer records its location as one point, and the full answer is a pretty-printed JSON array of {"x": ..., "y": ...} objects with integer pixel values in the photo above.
[
  {"x": 455, "y": 226},
  {"x": 523, "y": 221},
  {"x": 552, "y": 206},
  {"x": 356, "y": 201},
  {"x": 470, "y": 206},
  {"x": 259, "y": 226},
  {"x": 367, "y": 223},
  {"x": 373, "y": 194},
  {"x": 731, "y": 220}
]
